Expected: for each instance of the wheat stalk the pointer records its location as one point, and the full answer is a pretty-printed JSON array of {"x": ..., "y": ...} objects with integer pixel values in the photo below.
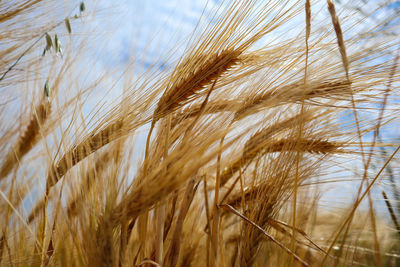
[
  {"x": 172, "y": 254},
  {"x": 231, "y": 209},
  {"x": 184, "y": 91}
]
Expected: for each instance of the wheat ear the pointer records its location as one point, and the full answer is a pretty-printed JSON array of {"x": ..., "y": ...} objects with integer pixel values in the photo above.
[
  {"x": 282, "y": 94},
  {"x": 339, "y": 36},
  {"x": 89, "y": 178},
  {"x": 190, "y": 87},
  {"x": 264, "y": 134},
  {"x": 287, "y": 94},
  {"x": 90, "y": 145},
  {"x": 27, "y": 140},
  {"x": 194, "y": 111},
  {"x": 256, "y": 146}
]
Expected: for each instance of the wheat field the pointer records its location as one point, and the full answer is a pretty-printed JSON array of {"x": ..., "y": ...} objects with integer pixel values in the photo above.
[{"x": 269, "y": 139}]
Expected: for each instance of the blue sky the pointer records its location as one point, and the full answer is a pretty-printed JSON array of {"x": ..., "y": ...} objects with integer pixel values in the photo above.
[{"x": 148, "y": 29}]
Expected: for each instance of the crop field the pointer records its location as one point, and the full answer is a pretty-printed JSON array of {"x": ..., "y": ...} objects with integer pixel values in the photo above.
[{"x": 265, "y": 134}]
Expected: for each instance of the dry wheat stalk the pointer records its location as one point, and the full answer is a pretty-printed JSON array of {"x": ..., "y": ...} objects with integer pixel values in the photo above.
[
  {"x": 170, "y": 215},
  {"x": 156, "y": 185},
  {"x": 251, "y": 193},
  {"x": 172, "y": 254},
  {"x": 189, "y": 253},
  {"x": 89, "y": 178},
  {"x": 263, "y": 201},
  {"x": 27, "y": 140},
  {"x": 342, "y": 50},
  {"x": 279, "y": 225},
  {"x": 253, "y": 224},
  {"x": 90, "y": 145},
  {"x": 184, "y": 91},
  {"x": 269, "y": 183},
  {"x": 391, "y": 212},
  {"x": 93, "y": 239},
  {"x": 104, "y": 253}
]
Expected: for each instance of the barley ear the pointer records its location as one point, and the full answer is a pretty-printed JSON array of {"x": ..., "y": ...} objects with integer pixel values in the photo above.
[
  {"x": 339, "y": 36},
  {"x": 27, "y": 140}
]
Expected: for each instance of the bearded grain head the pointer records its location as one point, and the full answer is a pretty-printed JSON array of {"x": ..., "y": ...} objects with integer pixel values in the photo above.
[
  {"x": 193, "y": 84},
  {"x": 27, "y": 140},
  {"x": 90, "y": 145}
]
